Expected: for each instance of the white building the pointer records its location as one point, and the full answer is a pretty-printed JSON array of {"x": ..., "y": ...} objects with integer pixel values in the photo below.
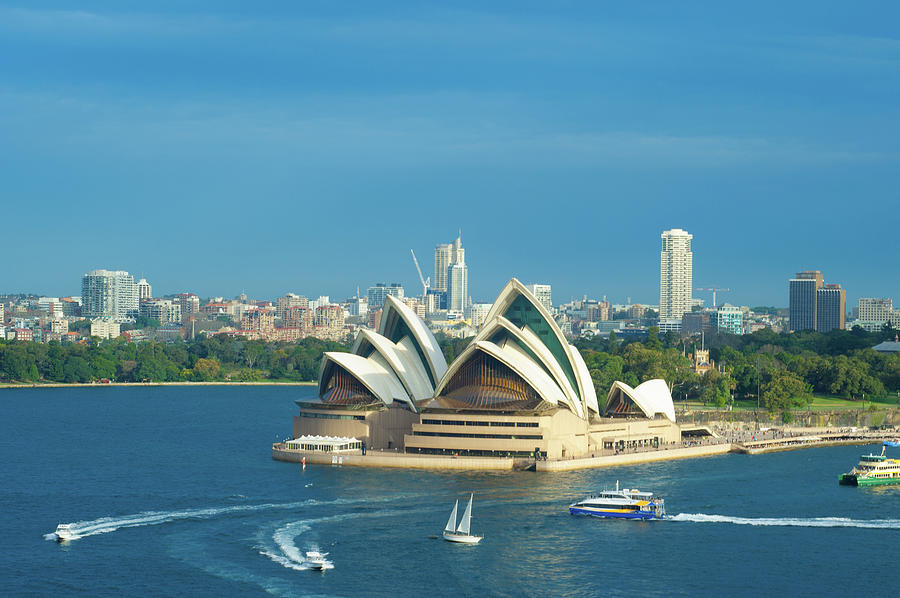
[
  {"x": 51, "y": 306},
  {"x": 163, "y": 311},
  {"x": 876, "y": 310},
  {"x": 478, "y": 313},
  {"x": 377, "y": 294},
  {"x": 145, "y": 291},
  {"x": 457, "y": 287},
  {"x": 105, "y": 328},
  {"x": 543, "y": 294},
  {"x": 675, "y": 275},
  {"x": 109, "y": 294}
]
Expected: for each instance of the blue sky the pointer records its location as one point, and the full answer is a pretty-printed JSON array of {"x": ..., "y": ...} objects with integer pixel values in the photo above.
[{"x": 307, "y": 146}]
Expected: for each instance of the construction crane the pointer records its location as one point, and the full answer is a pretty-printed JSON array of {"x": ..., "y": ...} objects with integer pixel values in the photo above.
[
  {"x": 426, "y": 282},
  {"x": 714, "y": 290}
]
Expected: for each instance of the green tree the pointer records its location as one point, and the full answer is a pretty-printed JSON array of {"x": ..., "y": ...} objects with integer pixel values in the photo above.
[
  {"x": 206, "y": 369},
  {"x": 785, "y": 390}
]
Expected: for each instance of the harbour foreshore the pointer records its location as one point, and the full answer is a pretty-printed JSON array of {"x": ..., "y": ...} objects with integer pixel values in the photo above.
[{"x": 770, "y": 441}]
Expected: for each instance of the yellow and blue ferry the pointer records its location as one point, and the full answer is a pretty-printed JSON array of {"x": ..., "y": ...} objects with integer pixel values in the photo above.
[{"x": 621, "y": 504}]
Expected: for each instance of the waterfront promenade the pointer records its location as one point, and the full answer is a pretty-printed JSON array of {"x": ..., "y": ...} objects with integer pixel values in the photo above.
[{"x": 729, "y": 441}]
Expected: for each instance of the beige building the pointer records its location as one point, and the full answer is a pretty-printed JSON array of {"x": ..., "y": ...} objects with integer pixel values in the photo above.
[{"x": 518, "y": 390}]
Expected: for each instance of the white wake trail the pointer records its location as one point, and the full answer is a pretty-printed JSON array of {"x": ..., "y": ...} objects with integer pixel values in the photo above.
[
  {"x": 104, "y": 525},
  {"x": 790, "y": 521}
]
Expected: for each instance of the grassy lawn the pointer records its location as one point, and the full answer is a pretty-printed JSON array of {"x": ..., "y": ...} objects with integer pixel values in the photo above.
[{"x": 819, "y": 403}]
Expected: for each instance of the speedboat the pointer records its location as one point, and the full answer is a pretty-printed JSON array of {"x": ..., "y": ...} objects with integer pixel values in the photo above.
[
  {"x": 64, "y": 532},
  {"x": 461, "y": 534},
  {"x": 316, "y": 560},
  {"x": 621, "y": 504}
]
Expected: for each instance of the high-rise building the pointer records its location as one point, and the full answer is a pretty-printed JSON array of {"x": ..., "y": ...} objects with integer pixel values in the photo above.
[
  {"x": 543, "y": 293},
  {"x": 802, "y": 308},
  {"x": 875, "y": 310},
  {"x": 457, "y": 287},
  {"x": 445, "y": 255},
  {"x": 163, "y": 311},
  {"x": 109, "y": 294},
  {"x": 145, "y": 291},
  {"x": 377, "y": 293},
  {"x": 190, "y": 304},
  {"x": 288, "y": 301},
  {"x": 831, "y": 308},
  {"x": 675, "y": 274},
  {"x": 441, "y": 263}
]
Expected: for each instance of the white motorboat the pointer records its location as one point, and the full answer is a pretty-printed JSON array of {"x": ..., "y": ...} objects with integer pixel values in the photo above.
[
  {"x": 316, "y": 560},
  {"x": 64, "y": 532},
  {"x": 461, "y": 533}
]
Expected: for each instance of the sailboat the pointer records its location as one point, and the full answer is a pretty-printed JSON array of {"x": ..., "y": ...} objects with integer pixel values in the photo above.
[{"x": 454, "y": 533}]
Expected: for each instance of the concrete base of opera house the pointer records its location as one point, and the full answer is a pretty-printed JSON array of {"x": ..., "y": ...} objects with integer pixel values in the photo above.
[
  {"x": 449, "y": 439},
  {"x": 556, "y": 434},
  {"x": 415, "y": 461}
]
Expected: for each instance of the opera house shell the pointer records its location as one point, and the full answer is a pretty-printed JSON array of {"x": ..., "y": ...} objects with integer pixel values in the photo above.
[
  {"x": 401, "y": 362},
  {"x": 518, "y": 389}
]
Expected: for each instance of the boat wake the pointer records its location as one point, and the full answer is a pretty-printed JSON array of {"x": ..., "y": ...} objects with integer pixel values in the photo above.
[
  {"x": 105, "y": 525},
  {"x": 287, "y": 554},
  {"x": 790, "y": 521}
]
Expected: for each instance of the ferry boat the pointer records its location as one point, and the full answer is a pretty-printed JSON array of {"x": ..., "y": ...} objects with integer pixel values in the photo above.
[
  {"x": 621, "y": 504},
  {"x": 873, "y": 470}
]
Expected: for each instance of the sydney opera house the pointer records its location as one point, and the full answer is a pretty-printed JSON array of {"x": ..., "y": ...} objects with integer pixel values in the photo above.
[{"x": 518, "y": 389}]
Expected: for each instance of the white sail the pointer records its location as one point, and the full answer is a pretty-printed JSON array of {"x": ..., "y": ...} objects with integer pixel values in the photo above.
[
  {"x": 466, "y": 518},
  {"x": 451, "y": 523}
]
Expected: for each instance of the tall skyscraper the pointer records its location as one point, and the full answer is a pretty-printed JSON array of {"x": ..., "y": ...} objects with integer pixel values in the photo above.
[
  {"x": 802, "y": 308},
  {"x": 457, "y": 287},
  {"x": 831, "y": 308},
  {"x": 441, "y": 263},
  {"x": 446, "y": 256},
  {"x": 109, "y": 294},
  {"x": 676, "y": 276}
]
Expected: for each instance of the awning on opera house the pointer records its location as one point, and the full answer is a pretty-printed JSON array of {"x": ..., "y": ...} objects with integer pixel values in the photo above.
[{"x": 324, "y": 444}]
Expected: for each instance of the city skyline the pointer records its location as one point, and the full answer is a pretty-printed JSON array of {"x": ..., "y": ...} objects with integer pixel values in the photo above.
[{"x": 561, "y": 140}]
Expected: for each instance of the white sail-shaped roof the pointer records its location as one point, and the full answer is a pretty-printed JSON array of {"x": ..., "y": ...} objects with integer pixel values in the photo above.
[
  {"x": 376, "y": 377},
  {"x": 512, "y": 303},
  {"x": 528, "y": 339},
  {"x": 651, "y": 397},
  {"x": 402, "y": 359},
  {"x": 517, "y": 361},
  {"x": 396, "y": 312},
  {"x": 585, "y": 380}
]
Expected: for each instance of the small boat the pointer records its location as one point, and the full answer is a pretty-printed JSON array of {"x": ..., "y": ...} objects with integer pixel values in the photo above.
[
  {"x": 893, "y": 443},
  {"x": 316, "y": 560},
  {"x": 873, "y": 470},
  {"x": 461, "y": 534},
  {"x": 621, "y": 504},
  {"x": 64, "y": 532}
]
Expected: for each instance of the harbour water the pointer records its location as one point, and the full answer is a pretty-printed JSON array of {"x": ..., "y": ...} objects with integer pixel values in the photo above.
[{"x": 173, "y": 492}]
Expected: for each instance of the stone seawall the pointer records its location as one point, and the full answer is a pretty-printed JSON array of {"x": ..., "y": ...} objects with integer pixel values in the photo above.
[
  {"x": 388, "y": 459},
  {"x": 635, "y": 458},
  {"x": 861, "y": 418}
]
